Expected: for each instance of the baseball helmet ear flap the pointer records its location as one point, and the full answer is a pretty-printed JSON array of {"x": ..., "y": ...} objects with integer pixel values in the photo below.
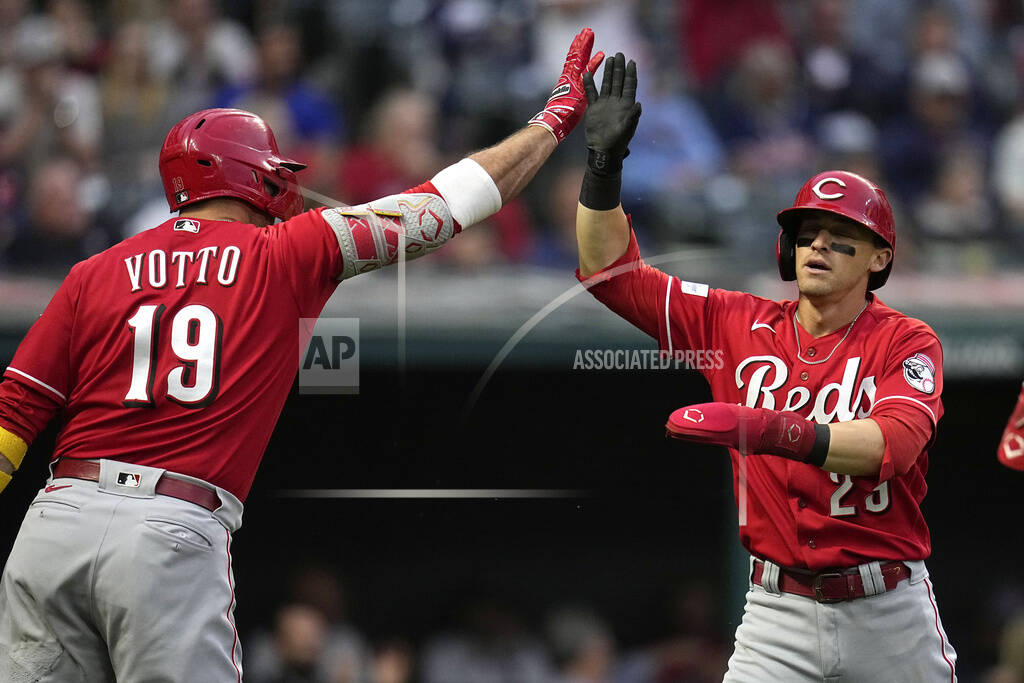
[{"x": 785, "y": 253}]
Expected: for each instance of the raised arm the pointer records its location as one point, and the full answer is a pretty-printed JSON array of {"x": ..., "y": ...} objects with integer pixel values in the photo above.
[
  {"x": 512, "y": 163},
  {"x": 602, "y": 231},
  {"x": 427, "y": 216}
]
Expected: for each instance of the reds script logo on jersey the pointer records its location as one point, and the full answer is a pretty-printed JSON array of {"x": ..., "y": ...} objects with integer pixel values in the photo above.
[
  {"x": 835, "y": 402},
  {"x": 795, "y": 514}
]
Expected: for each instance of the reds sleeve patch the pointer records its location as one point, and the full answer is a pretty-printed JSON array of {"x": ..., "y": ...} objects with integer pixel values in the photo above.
[{"x": 919, "y": 371}]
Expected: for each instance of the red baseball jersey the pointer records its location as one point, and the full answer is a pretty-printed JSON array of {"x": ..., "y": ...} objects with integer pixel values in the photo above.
[
  {"x": 177, "y": 347},
  {"x": 754, "y": 352}
]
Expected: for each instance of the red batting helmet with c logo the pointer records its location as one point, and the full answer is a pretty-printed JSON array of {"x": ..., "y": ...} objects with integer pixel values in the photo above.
[
  {"x": 845, "y": 194},
  {"x": 228, "y": 153}
]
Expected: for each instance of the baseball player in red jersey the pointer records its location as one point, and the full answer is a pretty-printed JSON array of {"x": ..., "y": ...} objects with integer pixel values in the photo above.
[
  {"x": 828, "y": 405},
  {"x": 1011, "y": 446},
  {"x": 170, "y": 356}
]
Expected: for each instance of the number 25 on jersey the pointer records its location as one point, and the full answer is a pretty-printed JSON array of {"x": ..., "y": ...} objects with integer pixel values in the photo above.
[{"x": 876, "y": 502}]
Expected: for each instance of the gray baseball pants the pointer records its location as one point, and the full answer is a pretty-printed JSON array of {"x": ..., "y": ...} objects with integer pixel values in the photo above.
[
  {"x": 108, "y": 583},
  {"x": 891, "y": 637}
]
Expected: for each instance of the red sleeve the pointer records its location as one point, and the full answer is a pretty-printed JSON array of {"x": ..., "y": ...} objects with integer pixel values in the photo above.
[
  {"x": 307, "y": 252},
  {"x": 1011, "y": 447},
  {"x": 907, "y": 433},
  {"x": 908, "y": 400},
  {"x": 39, "y": 379},
  {"x": 25, "y": 409},
  {"x": 630, "y": 288},
  {"x": 673, "y": 311},
  {"x": 43, "y": 359}
]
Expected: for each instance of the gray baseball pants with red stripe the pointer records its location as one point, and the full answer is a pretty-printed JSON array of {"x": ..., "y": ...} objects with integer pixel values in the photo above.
[
  {"x": 891, "y": 637},
  {"x": 106, "y": 583}
]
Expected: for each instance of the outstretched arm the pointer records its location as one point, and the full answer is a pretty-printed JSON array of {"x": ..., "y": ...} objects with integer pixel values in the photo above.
[
  {"x": 602, "y": 231},
  {"x": 423, "y": 218},
  {"x": 856, "y": 447},
  {"x": 513, "y": 162}
]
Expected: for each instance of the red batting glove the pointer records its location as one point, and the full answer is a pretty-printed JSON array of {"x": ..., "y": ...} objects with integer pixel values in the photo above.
[
  {"x": 1011, "y": 448},
  {"x": 752, "y": 431},
  {"x": 568, "y": 100}
]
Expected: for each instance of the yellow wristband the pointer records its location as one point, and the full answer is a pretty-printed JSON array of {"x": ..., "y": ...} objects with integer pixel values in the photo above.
[
  {"x": 5, "y": 479},
  {"x": 12, "y": 447}
]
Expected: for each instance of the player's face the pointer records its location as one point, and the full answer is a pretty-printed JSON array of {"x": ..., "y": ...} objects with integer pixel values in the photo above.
[{"x": 835, "y": 256}]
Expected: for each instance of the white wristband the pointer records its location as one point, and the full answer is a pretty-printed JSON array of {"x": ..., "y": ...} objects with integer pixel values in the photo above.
[{"x": 469, "y": 191}]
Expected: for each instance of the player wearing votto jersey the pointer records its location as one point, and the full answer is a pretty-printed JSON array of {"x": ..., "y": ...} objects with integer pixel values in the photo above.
[
  {"x": 828, "y": 405},
  {"x": 170, "y": 356}
]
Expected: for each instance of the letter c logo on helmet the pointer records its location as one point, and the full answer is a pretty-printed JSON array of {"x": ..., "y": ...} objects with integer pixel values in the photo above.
[
  {"x": 860, "y": 200},
  {"x": 821, "y": 195}
]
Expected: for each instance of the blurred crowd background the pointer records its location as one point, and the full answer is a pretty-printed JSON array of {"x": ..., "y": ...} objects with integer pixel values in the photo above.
[
  {"x": 310, "y": 638},
  {"x": 743, "y": 100}
]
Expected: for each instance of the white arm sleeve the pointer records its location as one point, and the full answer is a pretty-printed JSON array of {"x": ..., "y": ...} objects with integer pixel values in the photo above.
[{"x": 469, "y": 190}]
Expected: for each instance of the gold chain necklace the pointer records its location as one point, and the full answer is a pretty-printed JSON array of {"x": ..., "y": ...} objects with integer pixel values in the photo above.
[{"x": 799, "y": 351}]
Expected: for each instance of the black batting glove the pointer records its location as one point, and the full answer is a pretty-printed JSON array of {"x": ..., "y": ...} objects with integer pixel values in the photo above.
[
  {"x": 612, "y": 116},
  {"x": 609, "y": 125}
]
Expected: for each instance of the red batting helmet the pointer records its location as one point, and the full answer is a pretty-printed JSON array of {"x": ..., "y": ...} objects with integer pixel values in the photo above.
[
  {"x": 228, "y": 153},
  {"x": 844, "y": 194}
]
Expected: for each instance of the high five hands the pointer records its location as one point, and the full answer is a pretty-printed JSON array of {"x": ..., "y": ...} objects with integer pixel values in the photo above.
[
  {"x": 609, "y": 125},
  {"x": 567, "y": 103},
  {"x": 612, "y": 115}
]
